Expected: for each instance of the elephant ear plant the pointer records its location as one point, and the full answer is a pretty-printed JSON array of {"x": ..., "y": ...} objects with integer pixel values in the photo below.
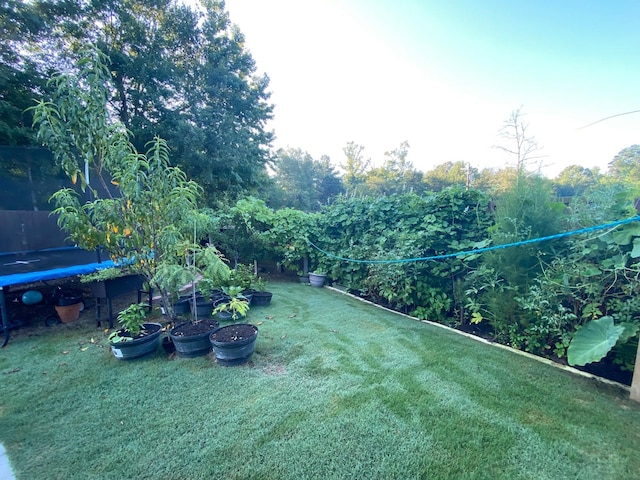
[{"x": 148, "y": 223}]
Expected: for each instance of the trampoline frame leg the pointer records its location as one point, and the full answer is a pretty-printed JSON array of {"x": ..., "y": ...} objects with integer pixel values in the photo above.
[{"x": 5, "y": 317}]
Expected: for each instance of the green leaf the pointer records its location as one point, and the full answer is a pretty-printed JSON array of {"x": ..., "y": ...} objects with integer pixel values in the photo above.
[
  {"x": 481, "y": 244},
  {"x": 630, "y": 331},
  {"x": 593, "y": 341},
  {"x": 635, "y": 253},
  {"x": 624, "y": 236},
  {"x": 617, "y": 262},
  {"x": 591, "y": 271}
]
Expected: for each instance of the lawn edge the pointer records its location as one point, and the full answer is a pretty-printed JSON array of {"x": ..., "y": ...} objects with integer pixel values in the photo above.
[{"x": 546, "y": 361}]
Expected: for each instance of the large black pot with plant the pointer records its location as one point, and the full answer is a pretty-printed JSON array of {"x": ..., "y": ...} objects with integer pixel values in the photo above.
[
  {"x": 125, "y": 347},
  {"x": 181, "y": 306},
  {"x": 191, "y": 339},
  {"x": 231, "y": 310},
  {"x": 201, "y": 307},
  {"x": 261, "y": 297},
  {"x": 136, "y": 338},
  {"x": 234, "y": 344}
]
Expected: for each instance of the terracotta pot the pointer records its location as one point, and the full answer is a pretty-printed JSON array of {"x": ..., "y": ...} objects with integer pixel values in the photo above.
[{"x": 69, "y": 313}]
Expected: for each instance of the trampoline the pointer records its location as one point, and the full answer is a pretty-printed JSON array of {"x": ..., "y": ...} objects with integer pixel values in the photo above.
[{"x": 18, "y": 268}]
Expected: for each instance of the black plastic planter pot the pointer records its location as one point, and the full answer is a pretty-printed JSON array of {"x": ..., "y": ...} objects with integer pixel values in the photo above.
[
  {"x": 218, "y": 295},
  {"x": 223, "y": 316},
  {"x": 234, "y": 344},
  {"x": 181, "y": 307},
  {"x": 168, "y": 346},
  {"x": 140, "y": 346},
  {"x": 192, "y": 339},
  {"x": 203, "y": 307},
  {"x": 261, "y": 299},
  {"x": 114, "y": 287},
  {"x": 249, "y": 296}
]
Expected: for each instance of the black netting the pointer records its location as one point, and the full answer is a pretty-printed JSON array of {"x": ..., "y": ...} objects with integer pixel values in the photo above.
[{"x": 28, "y": 178}]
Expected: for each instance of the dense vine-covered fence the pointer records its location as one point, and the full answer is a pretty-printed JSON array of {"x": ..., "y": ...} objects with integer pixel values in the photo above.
[
  {"x": 535, "y": 297},
  {"x": 405, "y": 226}
]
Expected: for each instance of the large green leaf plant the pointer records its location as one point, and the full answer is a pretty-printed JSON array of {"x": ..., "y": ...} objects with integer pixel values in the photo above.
[{"x": 586, "y": 303}]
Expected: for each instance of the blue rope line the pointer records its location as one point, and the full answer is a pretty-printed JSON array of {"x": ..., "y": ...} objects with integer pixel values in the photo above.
[{"x": 485, "y": 249}]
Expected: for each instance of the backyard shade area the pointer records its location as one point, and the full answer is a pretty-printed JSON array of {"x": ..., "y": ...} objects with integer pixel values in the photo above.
[
  {"x": 41, "y": 265},
  {"x": 34, "y": 249},
  {"x": 336, "y": 388}
]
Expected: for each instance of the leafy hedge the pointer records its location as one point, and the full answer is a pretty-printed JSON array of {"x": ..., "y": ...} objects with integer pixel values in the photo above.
[
  {"x": 534, "y": 297},
  {"x": 401, "y": 227}
]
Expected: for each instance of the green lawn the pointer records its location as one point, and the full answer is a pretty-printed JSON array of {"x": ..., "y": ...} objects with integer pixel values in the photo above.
[{"x": 336, "y": 389}]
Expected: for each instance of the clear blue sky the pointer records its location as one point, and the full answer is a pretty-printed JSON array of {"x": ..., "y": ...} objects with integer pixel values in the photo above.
[{"x": 445, "y": 74}]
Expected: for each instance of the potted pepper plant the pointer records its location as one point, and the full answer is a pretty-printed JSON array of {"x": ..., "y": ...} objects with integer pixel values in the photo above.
[{"x": 136, "y": 338}]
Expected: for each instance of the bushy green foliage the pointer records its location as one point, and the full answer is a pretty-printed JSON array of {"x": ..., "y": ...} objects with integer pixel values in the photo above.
[
  {"x": 402, "y": 227},
  {"x": 237, "y": 306},
  {"x": 242, "y": 276},
  {"x": 532, "y": 296},
  {"x": 131, "y": 319},
  {"x": 240, "y": 230},
  {"x": 289, "y": 237},
  {"x": 524, "y": 212},
  {"x": 597, "y": 275}
]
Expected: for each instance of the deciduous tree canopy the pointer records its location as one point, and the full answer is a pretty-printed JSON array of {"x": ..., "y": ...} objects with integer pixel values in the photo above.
[
  {"x": 302, "y": 182},
  {"x": 180, "y": 72},
  {"x": 625, "y": 166}
]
